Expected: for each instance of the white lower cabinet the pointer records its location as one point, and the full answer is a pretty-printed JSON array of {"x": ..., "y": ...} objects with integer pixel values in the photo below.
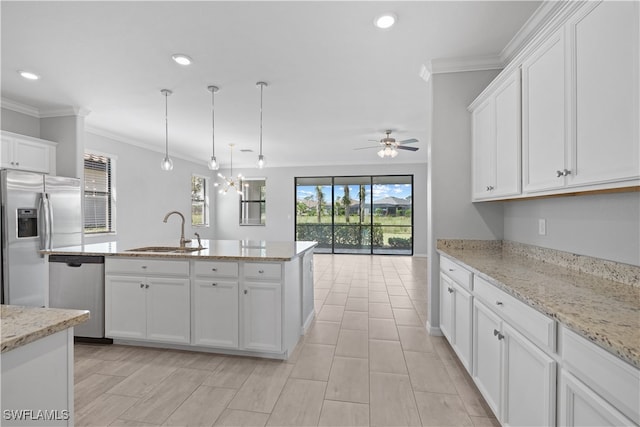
[
  {"x": 455, "y": 318},
  {"x": 516, "y": 378},
  {"x": 581, "y": 406},
  {"x": 216, "y": 313},
  {"x": 147, "y": 307},
  {"x": 262, "y": 316}
]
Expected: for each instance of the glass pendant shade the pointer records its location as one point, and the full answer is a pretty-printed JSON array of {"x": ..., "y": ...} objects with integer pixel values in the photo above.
[
  {"x": 213, "y": 164},
  {"x": 167, "y": 163},
  {"x": 387, "y": 152},
  {"x": 261, "y": 161}
]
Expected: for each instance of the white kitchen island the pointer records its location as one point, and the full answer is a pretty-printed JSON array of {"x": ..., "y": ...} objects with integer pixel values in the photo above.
[
  {"x": 37, "y": 365},
  {"x": 235, "y": 297}
]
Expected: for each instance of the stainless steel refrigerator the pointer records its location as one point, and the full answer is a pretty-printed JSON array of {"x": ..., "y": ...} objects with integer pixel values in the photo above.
[{"x": 37, "y": 212}]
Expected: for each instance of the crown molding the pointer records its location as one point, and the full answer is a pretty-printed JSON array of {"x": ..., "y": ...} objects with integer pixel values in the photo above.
[
  {"x": 19, "y": 107},
  {"x": 64, "y": 112},
  {"x": 462, "y": 64}
]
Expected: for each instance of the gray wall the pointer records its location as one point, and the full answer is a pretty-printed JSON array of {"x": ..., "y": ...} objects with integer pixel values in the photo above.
[
  {"x": 602, "y": 226},
  {"x": 281, "y": 201},
  {"x": 23, "y": 124},
  {"x": 452, "y": 215},
  {"x": 145, "y": 193}
]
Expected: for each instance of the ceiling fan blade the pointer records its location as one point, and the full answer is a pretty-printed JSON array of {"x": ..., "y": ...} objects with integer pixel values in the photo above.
[
  {"x": 366, "y": 148},
  {"x": 400, "y": 147},
  {"x": 408, "y": 141}
]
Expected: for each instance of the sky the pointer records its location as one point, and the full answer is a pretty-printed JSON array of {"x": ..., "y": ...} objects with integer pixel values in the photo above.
[{"x": 380, "y": 191}]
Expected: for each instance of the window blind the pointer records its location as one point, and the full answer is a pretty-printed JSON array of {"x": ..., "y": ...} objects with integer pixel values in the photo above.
[{"x": 97, "y": 194}]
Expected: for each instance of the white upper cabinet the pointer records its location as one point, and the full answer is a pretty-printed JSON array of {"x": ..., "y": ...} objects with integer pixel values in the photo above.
[
  {"x": 496, "y": 140},
  {"x": 27, "y": 153},
  {"x": 544, "y": 106},
  {"x": 605, "y": 48}
]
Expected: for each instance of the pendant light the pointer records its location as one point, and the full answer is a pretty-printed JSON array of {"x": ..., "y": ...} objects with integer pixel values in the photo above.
[
  {"x": 261, "y": 161},
  {"x": 167, "y": 163},
  {"x": 213, "y": 163}
]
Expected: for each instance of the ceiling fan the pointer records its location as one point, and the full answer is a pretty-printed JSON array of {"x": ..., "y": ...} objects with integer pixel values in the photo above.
[{"x": 389, "y": 146}]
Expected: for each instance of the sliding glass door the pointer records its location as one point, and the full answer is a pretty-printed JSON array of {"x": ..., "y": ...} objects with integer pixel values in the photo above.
[{"x": 356, "y": 214}]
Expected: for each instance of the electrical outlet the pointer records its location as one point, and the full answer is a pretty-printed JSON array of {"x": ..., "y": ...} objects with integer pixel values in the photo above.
[{"x": 542, "y": 227}]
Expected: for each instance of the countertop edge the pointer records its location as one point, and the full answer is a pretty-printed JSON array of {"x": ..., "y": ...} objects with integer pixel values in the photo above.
[{"x": 65, "y": 319}]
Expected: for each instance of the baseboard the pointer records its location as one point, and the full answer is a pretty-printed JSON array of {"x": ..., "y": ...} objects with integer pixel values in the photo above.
[{"x": 434, "y": 330}]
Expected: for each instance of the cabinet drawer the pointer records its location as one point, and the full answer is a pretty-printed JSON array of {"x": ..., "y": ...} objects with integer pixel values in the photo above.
[
  {"x": 146, "y": 267},
  {"x": 265, "y": 271},
  {"x": 461, "y": 275},
  {"x": 535, "y": 325},
  {"x": 613, "y": 379},
  {"x": 216, "y": 269}
]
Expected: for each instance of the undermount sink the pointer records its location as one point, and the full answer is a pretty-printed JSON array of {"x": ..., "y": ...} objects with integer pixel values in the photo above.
[{"x": 164, "y": 249}]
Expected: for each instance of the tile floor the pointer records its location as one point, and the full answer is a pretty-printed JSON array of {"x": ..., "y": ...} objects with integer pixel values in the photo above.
[{"x": 366, "y": 360}]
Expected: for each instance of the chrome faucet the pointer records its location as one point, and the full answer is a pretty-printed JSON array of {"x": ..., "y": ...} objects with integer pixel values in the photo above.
[{"x": 182, "y": 239}]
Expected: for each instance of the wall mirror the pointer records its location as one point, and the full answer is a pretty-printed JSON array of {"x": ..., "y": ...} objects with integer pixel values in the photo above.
[{"x": 253, "y": 201}]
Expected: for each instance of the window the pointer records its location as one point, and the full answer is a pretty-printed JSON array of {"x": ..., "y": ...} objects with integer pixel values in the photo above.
[
  {"x": 356, "y": 214},
  {"x": 253, "y": 201},
  {"x": 199, "y": 201},
  {"x": 99, "y": 202}
]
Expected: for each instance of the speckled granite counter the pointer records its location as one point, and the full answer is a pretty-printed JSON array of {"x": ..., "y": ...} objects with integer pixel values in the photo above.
[
  {"x": 22, "y": 325},
  {"x": 598, "y": 299},
  {"x": 230, "y": 250}
]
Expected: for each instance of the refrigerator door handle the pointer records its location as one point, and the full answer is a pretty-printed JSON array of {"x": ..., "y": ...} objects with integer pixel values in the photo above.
[{"x": 45, "y": 215}]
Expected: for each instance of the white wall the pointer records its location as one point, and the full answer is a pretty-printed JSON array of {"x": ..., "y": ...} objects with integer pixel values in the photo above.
[
  {"x": 281, "y": 200},
  {"x": 452, "y": 215},
  {"x": 145, "y": 193},
  {"x": 602, "y": 226},
  {"x": 23, "y": 124}
]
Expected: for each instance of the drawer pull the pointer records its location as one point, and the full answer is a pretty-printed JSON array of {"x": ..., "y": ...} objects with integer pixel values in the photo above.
[
  {"x": 146, "y": 286},
  {"x": 450, "y": 290},
  {"x": 499, "y": 303},
  {"x": 141, "y": 285},
  {"x": 214, "y": 284},
  {"x": 214, "y": 269},
  {"x": 245, "y": 291},
  {"x": 144, "y": 267},
  {"x": 497, "y": 333},
  {"x": 451, "y": 269},
  {"x": 261, "y": 271}
]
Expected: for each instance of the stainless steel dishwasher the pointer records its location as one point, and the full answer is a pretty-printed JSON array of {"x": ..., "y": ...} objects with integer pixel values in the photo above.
[{"x": 77, "y": 282}]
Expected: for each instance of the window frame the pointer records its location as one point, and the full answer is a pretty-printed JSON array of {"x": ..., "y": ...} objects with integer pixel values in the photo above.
[
  {"x": 206, "y": 212},
  {"x": 111, "y": 192}
]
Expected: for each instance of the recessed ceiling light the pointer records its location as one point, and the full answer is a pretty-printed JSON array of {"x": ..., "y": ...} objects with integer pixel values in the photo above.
[
  {"x": 29, "y": 75},
  {"x": 385, "y": 21},
  {"x": 181, "y": 59}
]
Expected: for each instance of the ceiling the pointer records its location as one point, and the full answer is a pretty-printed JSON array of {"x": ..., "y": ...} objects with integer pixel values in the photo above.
[{"x": 334, "y": 80}]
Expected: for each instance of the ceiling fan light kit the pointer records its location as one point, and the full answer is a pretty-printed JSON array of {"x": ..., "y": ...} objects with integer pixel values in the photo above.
[{"x": 389, "y": 146}]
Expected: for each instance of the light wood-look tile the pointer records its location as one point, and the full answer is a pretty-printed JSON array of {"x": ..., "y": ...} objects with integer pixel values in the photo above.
[
  {"x": 331, "y": 313},
  {"x": 156, "y": 406},
  {"x": 238, "y": 418},
  {"x": 202, "y": 407},
  {"x": 485, "y": 422},
  {"x": 441, "y": 410},
  {"x": 314, "y": 362},
  {"x": 380, "y": 310},
  {"x": 406, "y": 317},
  {"x": 391, "y": 401},
  {"x": 119, "y": 368},
  {"x": 128, "y": 423},
  {"x": 396, "y": 290},
  {"x": 91, "y": 387},
  {"x": 415, "y": 338},
  {"x": 143, "y": 381},
  {"x": 349, "y": 380},
  {"x": 341, "y": 287},
  {"x": 353, "y": 344},
  {"x": 103, "y": 410},
  {"x": 336, "y": 298},
  {"x": 386, "y": 356},
  {"x": 379, "y": 296},
  {"x": 427, "y": 373},
  {"x": 468, "y": 392},
  {"x": 261, "y": 390},
  {"x": 84, "y": 367},
  {"x": 359, "y": 292},
  {"x": 323, "y": 333},
  {"x": 357, "y": 304},
  {"x": 232, "y": 372},
  {"x": 383, "y": 329},
  {"x": 341, "y": 414},
  {"x": 355, "y": 320},
  {"x": 299, "y": 404},
  {"x": 400, "y": 301}
]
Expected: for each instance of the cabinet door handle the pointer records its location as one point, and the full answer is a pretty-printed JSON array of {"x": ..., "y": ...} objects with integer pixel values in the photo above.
[
  {"x": 141, "y": 285},
  {"x": 17, "y": 163},
  {"x": 497, "y": 333},
  {"x": 146, "y": 286},
  {"x": 214, "y": 284},
  {"x": 499, "y": 303},
  {"x": 559, "y": 174},
  {"x": 246, "y": 291},
  {"x": 451, "y": 269},
  {"x": 566, "y": 172},
  {"x": 261, "y": 271},
  {"x": 450, "y": 290},
  {"x": 214, "y": 269},
  {"x": 144, "y": 267}
]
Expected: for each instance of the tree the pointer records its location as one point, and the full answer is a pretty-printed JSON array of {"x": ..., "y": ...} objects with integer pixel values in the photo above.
[
  {"x": 320, "y": 197},
  {"x": 346, "y": 200},
  {"x": 363, "y": 198}
]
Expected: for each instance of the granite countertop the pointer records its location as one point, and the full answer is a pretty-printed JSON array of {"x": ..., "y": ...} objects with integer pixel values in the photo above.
[
  {"x": 22, "y": 325},
  {"x": 598, "y": 299},
  {"x": 230, "y": 250}
]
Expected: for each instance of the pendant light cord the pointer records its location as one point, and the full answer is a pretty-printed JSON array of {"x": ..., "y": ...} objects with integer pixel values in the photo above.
[
  {"x": 213, "y": 123},
  {"x": 166, "y": 123},
  {"x": 261, "y": 89}
]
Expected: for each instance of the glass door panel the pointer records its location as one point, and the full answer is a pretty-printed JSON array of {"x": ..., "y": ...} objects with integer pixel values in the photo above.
[
  {"x": 352, "y": 215},
  {"x": 393, "y": 215},
  {"x": 314, "y": 220}
]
